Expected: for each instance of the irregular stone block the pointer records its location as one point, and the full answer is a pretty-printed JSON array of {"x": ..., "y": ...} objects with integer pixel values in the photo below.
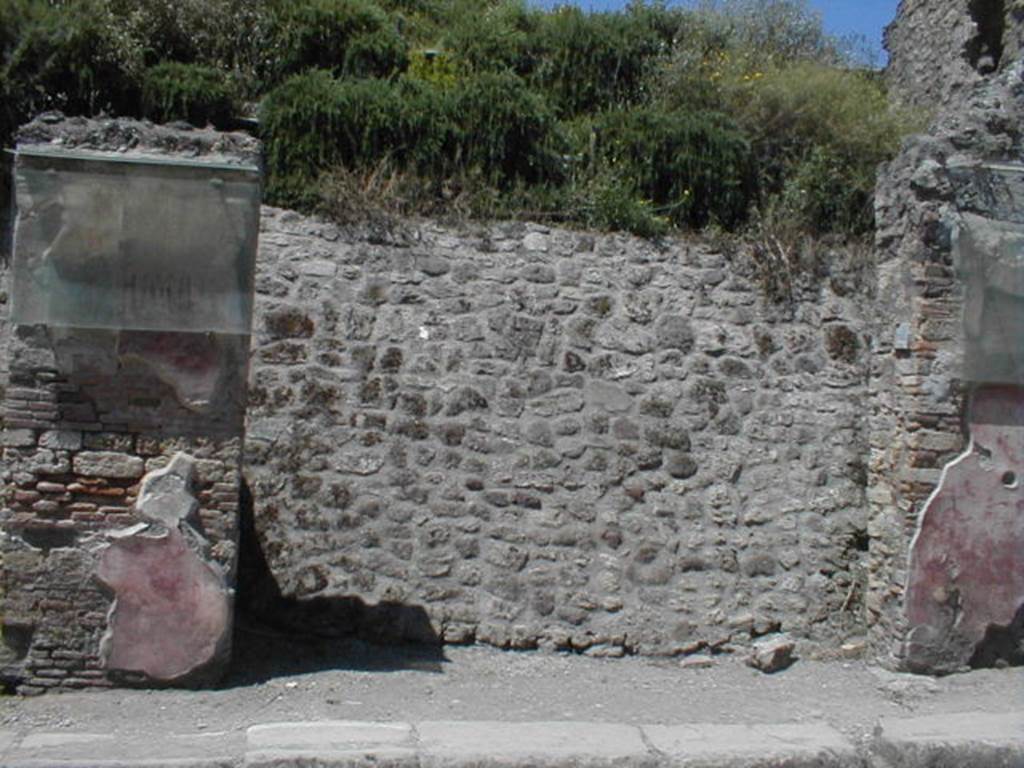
[
  {"x": 608, "y": 397},
  {"x": 19, "y": 438},
  {"x": 166, "y": 494},
  {"x": 64, "y": 440},
  {"x": 119, "y": 466},
  {"x": 772, "y": 654},
  {"x": 674, "y": 332}
]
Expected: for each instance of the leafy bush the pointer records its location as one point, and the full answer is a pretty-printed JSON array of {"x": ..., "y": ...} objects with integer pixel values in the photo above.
[
  {"x": 438, "y": 68},
  {"x": 490, "y": 126},
  {"x": 610, "y": 202},
  {"x": 775, "y": 31},
  {"x": 643, "y": 119},
  {"x": 819, "y": 134},
  {"x": 694, "y": 166},
  {"x": 827, "y": 193},
  {"x": 347, "y": 37},
  {"x": 725, "y": 42},
  {"x": 587, "y": 62},
  {"x": 193, "y": 92},
  {"x": 16, "y": 15},
  {"x": 506, "y": 132},
  {"x": 314, "y": 121},
  {"x": 578, "y": 61},
  {"x": 493, "y": 38},
  {"x": 231, "y": 35},
  {"x": 73, "y": 58}
]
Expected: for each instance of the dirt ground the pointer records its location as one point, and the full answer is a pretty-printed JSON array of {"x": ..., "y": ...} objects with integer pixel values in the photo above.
[{"x": 278, "y": 679}]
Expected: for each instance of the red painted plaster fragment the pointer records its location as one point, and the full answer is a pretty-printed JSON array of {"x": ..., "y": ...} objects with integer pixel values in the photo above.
[
  {"x": 967, "y": 558},
  {"x": 171, "y": 615}
]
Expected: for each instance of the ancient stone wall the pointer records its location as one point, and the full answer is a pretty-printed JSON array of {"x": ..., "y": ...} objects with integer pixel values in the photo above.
[
  {"x": 121, "y": 464},
  {"x": 939, "y": 50},
  {"x": 537, "y": 437}
]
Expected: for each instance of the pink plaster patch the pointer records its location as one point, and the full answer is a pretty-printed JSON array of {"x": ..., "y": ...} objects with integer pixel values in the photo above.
[
  {"x": 967, "y": 559},
  {"x": 171, "y": 613},
  {"x": 188, "y": 362}
]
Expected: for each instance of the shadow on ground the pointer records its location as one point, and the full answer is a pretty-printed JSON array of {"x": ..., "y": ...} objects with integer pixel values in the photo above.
[
  {"x": 262, "y": 653},
  {"x": 277, "y": 635}
]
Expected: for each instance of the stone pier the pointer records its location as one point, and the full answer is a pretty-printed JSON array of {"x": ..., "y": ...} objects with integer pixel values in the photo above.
[
  {"x": 132, "y": 272},
  {"x": 946, "y": 572}
]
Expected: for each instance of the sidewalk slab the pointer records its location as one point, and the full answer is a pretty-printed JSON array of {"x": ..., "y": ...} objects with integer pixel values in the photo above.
[
  {"x": 7, "y": 741},
  {"x": 996, "y": 730},
  {"x": 531, "y": 744},
  {"x": 63, "y": 740},
  {"x": 328, "y": 734},
  {"x": 980, "y": 740},
  {"x": 328, "y": 743},
  {"x": 45, "y": 749},
  {"x": 122, "y": 762},
  {"x": 974, "y": 739},
  {"x": 737, "y": 746}
]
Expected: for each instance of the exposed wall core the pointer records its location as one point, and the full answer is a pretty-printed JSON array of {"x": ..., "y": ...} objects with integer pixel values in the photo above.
[
  {"x": 984, "y": 50},
  {"x": 940, "y": 50}
]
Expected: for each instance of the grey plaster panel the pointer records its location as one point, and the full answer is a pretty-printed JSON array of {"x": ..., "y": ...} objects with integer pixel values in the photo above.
[
  {"x": 141, "y": 246},
  {"x": 990, "y": 263}
]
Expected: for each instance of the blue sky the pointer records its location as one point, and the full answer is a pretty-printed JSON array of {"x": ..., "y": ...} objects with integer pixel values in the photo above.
[{"x": 841, "y": 17}]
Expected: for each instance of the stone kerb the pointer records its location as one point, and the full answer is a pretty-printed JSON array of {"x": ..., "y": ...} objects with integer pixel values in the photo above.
[{"x": 123, "y": 428}]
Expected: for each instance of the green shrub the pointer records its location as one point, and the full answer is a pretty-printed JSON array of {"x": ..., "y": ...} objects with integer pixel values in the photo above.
[
  {"x": 578, "y": 61},
  {"x": 347, "y": 37},
  {"x": 17, "y": 14},
  {"x": 231, "y": 35},
  {"x": 774, "y": 31},
  {"x": 193, "y": 92},
  {"x": 314, "y": 122},
  {"x": 490, "y": 127},
  {"x": 825, "y": 193},
  {"x": 306, "y": 124},
  {"x": 436, "y": 67},
  {"x": 74, "y": 58},
  {"x": 166, "y": 31},
  {"x": 694, "y": 166},
  {"x": 506, "y": 132},
  {"x": 493, "y": 37},
  {"x": 723, "y": 43},
  {"x": 587, "y": 62},
  {"x": 641, "y": 120},
  {"x": 610, "y": 202},
  {"x": 819, "y": 134}
]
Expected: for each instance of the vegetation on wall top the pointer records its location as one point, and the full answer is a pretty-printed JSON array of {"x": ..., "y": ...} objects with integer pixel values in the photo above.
[{"x": 732, "y": 114}]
